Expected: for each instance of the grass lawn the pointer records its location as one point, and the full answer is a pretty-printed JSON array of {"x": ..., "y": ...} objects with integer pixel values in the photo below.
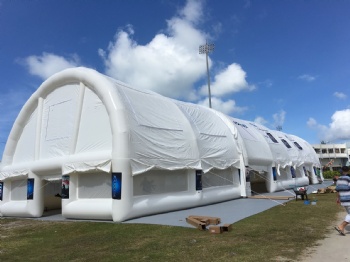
[{"x": 278, "y": 234}]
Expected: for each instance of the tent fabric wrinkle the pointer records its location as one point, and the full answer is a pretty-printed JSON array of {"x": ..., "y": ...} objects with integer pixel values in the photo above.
[
  {"x": 14, "y": 174},
  {"x": 89, "y": 166}
]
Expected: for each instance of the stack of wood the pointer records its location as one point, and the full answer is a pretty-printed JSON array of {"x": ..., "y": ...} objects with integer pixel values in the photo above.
[
  {"x": 201, "y": 222},
  {"x": 329, "y": 189}
]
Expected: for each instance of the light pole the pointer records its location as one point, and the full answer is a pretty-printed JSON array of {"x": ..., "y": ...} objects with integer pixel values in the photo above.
[{"x": 206, "y": 49}]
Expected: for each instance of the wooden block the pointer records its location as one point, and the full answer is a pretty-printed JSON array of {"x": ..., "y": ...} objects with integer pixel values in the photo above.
[
  {"x": 226, "y": 227},
  {"x": 215, "y": 229},
  {"x": 196, "y": 223},
  {"x": 212, "y": 220}
]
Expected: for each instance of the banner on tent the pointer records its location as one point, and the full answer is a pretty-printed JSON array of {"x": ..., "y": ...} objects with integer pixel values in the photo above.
[
  {"x": 199, "y": 185},
  {"x": 30, "y": 188},
  {"x": 116, "y": 185},
  {"x": 1, "y": 189},
  {"x": 65, "y": 187}
]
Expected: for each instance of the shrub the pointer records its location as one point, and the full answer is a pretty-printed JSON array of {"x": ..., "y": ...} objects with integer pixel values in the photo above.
[{"x": 330, "y": 174}]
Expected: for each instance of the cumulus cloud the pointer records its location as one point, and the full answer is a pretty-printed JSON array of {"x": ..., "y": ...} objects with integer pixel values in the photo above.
[
  {"x": 311, "y": 122},
  {"x": 227, "y": 107},
  {"x": 340, "y": 95},
  {"x": 338, "y": 129},
  {"x": 306, "y": 77},
  {"x": 279, "y": 118},
  {"x": 48, "y": 64},
  {"x": 340, "y": 125},
  {"x": 230, "y": 80},
  {"x": 260, "y": 120},
  {"x": 170, "y": 63},
  {"x": 192, "y": 11}
]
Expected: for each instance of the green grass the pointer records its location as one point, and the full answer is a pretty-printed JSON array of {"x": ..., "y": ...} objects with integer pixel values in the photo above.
[{"x": 278, "y": 234}]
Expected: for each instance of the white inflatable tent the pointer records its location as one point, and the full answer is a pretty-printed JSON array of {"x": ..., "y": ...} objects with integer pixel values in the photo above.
[
  {"x": 98, "y": 149},
  {"x": 114, "y": 152},
  {"x": 276, "y": 161}
]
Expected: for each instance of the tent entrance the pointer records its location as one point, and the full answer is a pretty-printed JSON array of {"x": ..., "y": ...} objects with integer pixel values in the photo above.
[
  {"x": 309, "y": 176},
  {"x": 52, "y": 195},
  {"x": 258, "y": 181}
]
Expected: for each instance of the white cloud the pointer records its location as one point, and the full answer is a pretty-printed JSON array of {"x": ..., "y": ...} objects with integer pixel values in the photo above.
[
  {"x": 340, "y": 125},
  {"x": 231, "y": 80},
  {"x": 48, "y": 64},
  {"x": 227, "y": 107},
  {"x": 311, "y": 123},
  {"x": 308, "y": 78},
  {"x": 340, "y": 95},
  {"x": 260, "y": 120},
  {"x": 192, "y": 11},
  {"x": 266, "y": 83},
  {"x": 169, "y": 64},
  {"x": 279, "y": 118},
  {"x": 338, "y": 129}
]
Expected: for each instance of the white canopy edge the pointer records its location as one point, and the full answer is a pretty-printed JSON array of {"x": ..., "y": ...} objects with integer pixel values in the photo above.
[
  {"x": 15, "y": 174},
  {"x": 88, "y": 166}
]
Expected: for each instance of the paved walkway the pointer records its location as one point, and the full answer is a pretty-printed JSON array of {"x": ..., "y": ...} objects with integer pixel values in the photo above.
[
  {"x": 229, "y": 211},
  {"x": 333, "y": 248}
]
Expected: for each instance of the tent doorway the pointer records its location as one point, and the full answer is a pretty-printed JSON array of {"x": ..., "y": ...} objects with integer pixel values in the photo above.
[
  {"x": 52, "y": 195},
  {"x": 258, "y": 181},
  {"x": 309, "y": 176}
]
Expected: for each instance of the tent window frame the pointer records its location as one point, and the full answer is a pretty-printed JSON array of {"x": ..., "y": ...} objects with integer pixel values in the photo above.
[
  {"x": 286, "y": 143},
  {"x": 298, "y": 146},
  {"x": 272, "y": 137}
]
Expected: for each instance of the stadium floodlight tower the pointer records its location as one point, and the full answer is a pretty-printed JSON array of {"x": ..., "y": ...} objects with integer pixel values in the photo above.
[{"x": 206, "y": 49}]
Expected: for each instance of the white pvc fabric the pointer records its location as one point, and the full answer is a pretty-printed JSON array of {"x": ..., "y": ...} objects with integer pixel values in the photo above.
[
  {"x": 307, "y": 154},
  {"x": 265, "y": 147},
  {"x": 168, "y": 134},
  {"x": 257, "y": 150},
  {"x": 92, "y": 166},
  {"x": 79, "y": 113},
  {"x": 21, "y": 173}
]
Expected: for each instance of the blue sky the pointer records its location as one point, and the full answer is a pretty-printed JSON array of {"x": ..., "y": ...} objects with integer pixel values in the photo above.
[{"x": 278, "y": 63}]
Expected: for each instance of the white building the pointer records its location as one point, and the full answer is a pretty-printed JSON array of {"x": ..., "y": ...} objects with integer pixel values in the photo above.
[{"x": 332, "y": 156}]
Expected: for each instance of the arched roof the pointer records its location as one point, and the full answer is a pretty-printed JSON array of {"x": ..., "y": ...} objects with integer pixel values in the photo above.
[{"x": 79, "y": 114}]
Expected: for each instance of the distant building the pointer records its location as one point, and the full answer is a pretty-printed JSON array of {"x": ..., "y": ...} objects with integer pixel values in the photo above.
[{"x": 332, "y": 156}]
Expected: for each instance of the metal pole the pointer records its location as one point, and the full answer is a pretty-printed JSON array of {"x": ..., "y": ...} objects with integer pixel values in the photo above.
[
  {"x": 206, "y": 49},
  {"x": 206, "y": 55}
]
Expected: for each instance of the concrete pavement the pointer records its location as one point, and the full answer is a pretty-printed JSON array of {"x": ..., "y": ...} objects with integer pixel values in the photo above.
[{"x": 332, "y": 248}]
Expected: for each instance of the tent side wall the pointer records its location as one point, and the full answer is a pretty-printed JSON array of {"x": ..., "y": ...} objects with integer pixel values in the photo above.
[
  {"x": 199, "y": 167},
  {"x": 312, "y": 162},
  {"x": 276, "y": 163},
  {"x": 287, "y": 168},
  {"x": 258, "y": 157}
]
